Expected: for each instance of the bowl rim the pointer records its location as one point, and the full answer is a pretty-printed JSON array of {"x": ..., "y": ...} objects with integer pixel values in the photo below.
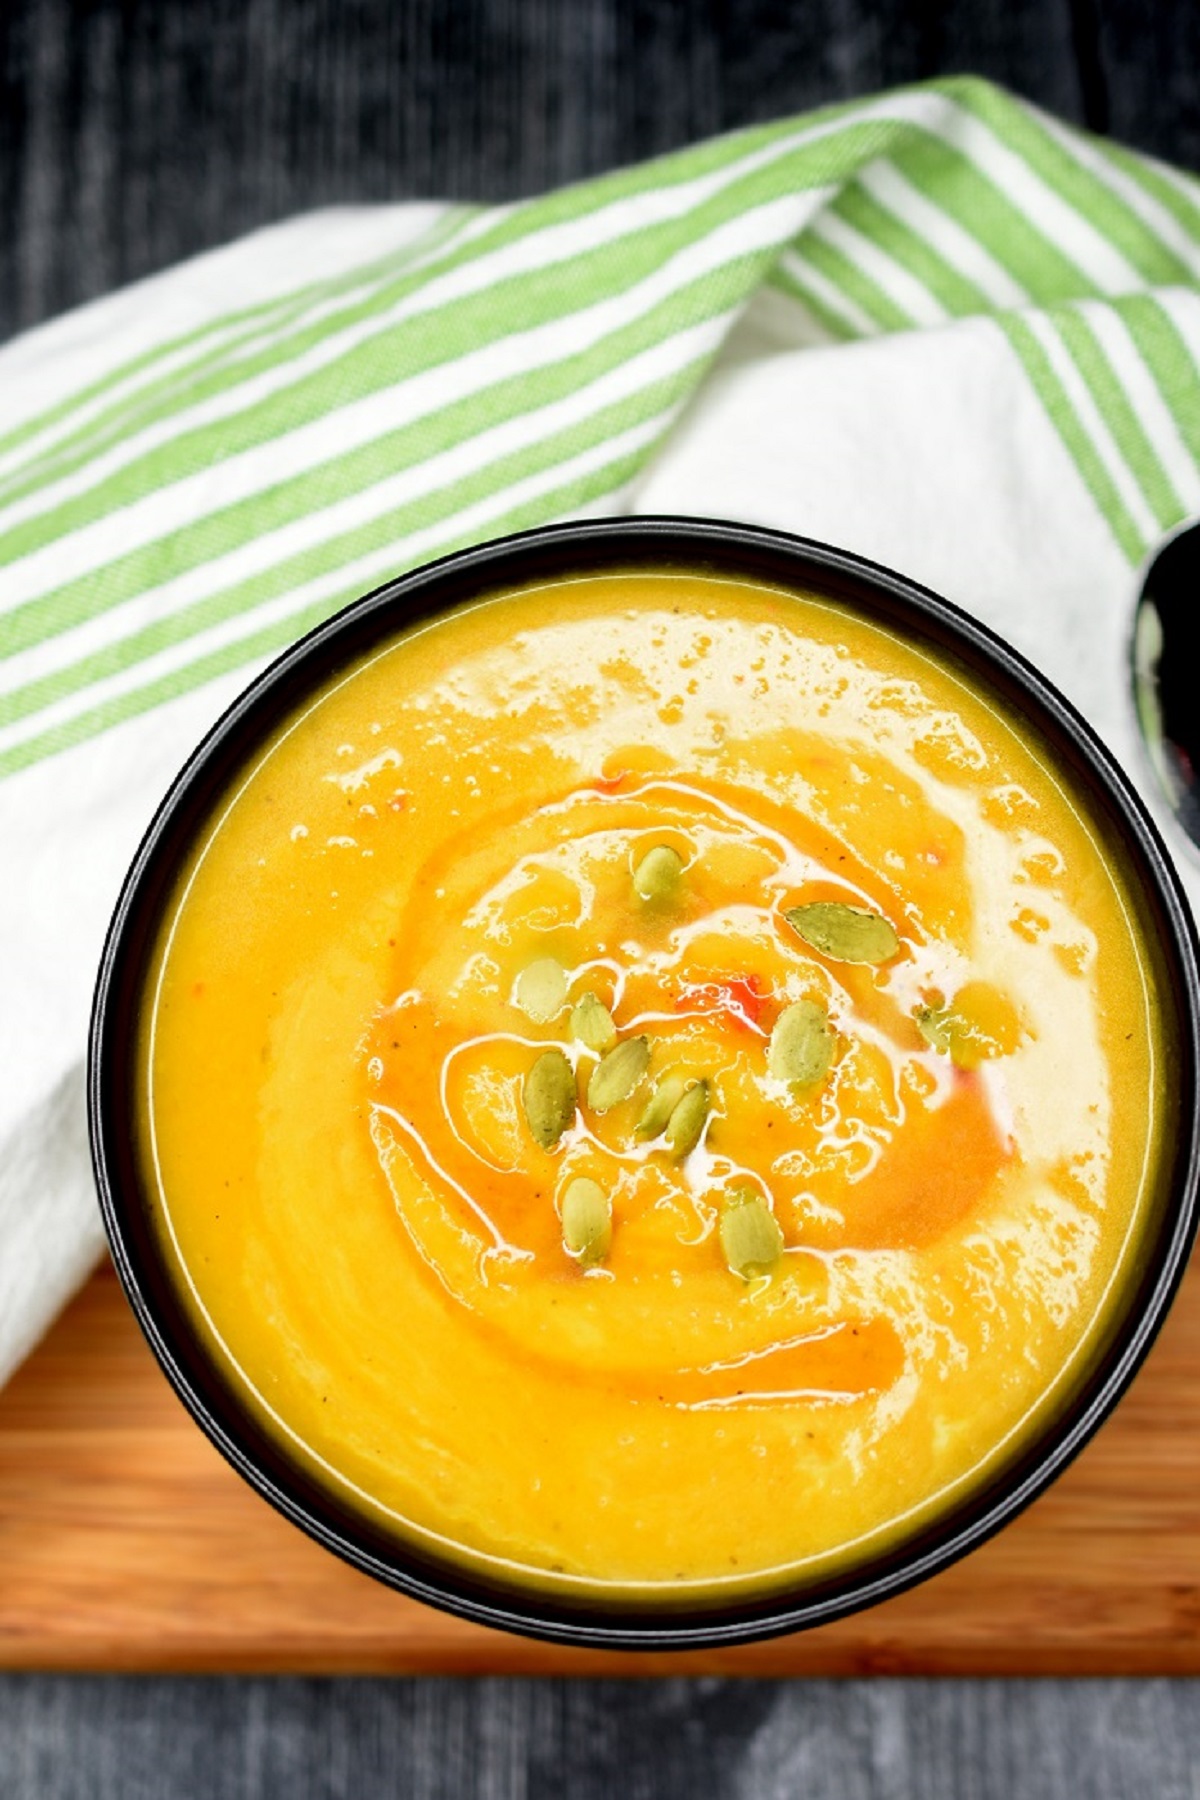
[{"x": 492, "y": 567}]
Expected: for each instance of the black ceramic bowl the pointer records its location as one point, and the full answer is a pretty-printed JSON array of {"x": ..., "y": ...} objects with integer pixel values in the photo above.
[{"x": 914, "y": 614}]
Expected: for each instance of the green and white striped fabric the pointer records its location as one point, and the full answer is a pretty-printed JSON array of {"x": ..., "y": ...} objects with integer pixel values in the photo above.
[
  {"x": 185, "y": 509},
  {"x": 936, "y": 326}
]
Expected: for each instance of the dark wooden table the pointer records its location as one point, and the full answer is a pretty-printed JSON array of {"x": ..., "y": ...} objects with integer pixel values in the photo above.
[{"x": 135, "y": 132}]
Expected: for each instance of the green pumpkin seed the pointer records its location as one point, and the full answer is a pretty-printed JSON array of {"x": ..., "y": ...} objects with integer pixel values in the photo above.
[
  {"x": 586, "y": 1221},
  {"x": 845, "y": 933},
  {"x": 549, "y": 1097},
  {"x": 616, "y": 1075},
  {"x": 801, "y": 1047},
  {"x": 658, "y": 875},
  {"x": 934, "y": 1025},
  {"x": 592, "y": 1024},
  {"x": 750, "y": 1234},
  {"x": 945, "y": 1031},
  {"x": 668, "y": 1092},
  {"x": 687, "y": 1120},
  {"x": 541, "y": 989}
]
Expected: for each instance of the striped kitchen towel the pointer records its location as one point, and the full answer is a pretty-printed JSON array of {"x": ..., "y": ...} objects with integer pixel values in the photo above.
[{"x": 936, "y": 327}]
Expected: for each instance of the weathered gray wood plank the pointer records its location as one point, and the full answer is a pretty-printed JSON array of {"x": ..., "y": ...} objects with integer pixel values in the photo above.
[
  {"x": 161, "y": 1739},
  {"x": 134, "y": 132}
]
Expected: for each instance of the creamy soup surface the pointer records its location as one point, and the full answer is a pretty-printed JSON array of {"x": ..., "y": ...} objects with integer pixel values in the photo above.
[{"x": 651, "y": 1084}]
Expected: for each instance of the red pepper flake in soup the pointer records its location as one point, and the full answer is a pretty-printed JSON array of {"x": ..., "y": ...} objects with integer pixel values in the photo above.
[{"x": 739, "y": 997}]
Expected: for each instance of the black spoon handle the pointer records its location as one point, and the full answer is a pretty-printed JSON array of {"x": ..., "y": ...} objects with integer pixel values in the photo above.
[{"x": 1166, "y": 673}]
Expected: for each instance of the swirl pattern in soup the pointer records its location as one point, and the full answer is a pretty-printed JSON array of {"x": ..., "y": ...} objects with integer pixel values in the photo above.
[{"x": 651, "y": 1085}]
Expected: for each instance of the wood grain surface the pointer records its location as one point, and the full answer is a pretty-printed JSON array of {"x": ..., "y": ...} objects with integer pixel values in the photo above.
[
  {"x": 135, "y": 132},
  {"x": 127, "y": 1543}
]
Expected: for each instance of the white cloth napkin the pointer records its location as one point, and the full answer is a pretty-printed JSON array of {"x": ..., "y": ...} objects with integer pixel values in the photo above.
[{"x": 935, "y": 328}]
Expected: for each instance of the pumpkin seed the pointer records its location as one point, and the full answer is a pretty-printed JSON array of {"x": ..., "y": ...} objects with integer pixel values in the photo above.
[
  {"x": 592, "y": 1024},
  {"x": 801, "y": 1047},
  {"x": 659, "y": 873},
  {"x": 586, "y": 1221},
  {"x": 933, "y": 1023},
  {"x": 750, "y": 1234},
  {"x": 616, "y": 1075},
  {"x": 668, "y": 1092},
  {"x": 687, "y": 1120},
  {"x": 541, "y": 989},
  {"x": 845, "y": 933},
  {"x": 978, "y": 1024},
  {"x": 549, "y": 1097}
]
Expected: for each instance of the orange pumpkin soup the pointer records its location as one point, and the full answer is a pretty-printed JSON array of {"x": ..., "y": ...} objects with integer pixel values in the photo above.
[{"x": 650, "y": 1086}]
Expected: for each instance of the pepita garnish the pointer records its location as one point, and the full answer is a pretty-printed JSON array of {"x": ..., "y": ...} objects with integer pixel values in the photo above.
[
  {"x": 687, "y": 1120},
  {"x": 979, "y": 1024},
  {"x": 549, "y": 1097},
  {"x": 592, "y": 1024},
  {"x": 933, "y": 1023},
  {"x": 845, "y": 933},
  {"x": 750, "y": 1234},
  {"x": 668, "y": 1092},
  {"x": 541, "y": 989},
  {"x": 658, "y": 875},
  {"x": 586, "y": 1221},
  {"x": 801, "y": 1046},
  {"x": 616, "y": 1075}
]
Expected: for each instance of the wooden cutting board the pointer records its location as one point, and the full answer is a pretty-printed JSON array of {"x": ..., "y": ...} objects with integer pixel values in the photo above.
[{"x": 126, "y": 1543}]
